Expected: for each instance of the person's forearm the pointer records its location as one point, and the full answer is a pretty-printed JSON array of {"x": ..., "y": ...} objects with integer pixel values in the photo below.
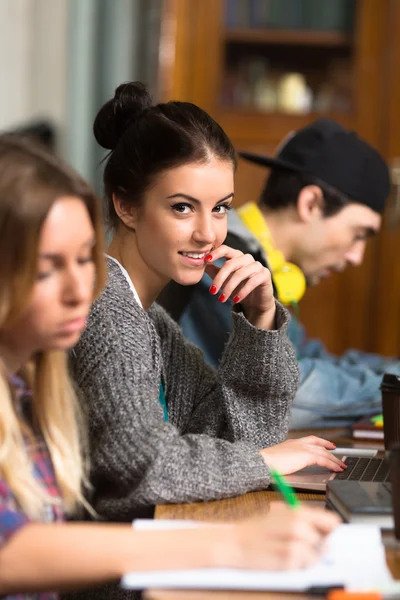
[
  {"x": 265, "y": 320},
  {"x": 43, "y": 557}
]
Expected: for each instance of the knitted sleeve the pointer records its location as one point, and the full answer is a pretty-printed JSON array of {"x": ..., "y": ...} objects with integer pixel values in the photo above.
[
  {"x": 138, "y": 459},
  {"x": 250, "y": 397}
]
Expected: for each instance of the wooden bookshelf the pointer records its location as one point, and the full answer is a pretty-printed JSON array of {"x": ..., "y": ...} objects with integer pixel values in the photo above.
[
  {"x": 289, "y": 37},
  {"x": 353, "y": 309}
]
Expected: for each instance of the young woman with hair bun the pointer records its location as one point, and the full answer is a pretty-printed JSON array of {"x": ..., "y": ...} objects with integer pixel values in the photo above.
[{"x": 164, "y": 426}]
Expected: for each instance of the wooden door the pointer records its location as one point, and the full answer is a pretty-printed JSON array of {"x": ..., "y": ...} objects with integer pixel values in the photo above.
[{"x": 340, "y": 310}]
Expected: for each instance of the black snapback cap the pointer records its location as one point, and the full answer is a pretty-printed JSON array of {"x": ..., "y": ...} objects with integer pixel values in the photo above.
[{"x": 337, "y": 157}]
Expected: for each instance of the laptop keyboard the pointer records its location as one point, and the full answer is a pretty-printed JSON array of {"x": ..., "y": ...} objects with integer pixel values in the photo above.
[
  {"x": 365, "y": 469},
  {"x": 388, "y": 487}
]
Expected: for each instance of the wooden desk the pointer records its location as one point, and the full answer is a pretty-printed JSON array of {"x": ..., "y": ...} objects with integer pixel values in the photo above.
[
  {"x": 230, "y": 509},
  {"x": 245, "y": 506}
]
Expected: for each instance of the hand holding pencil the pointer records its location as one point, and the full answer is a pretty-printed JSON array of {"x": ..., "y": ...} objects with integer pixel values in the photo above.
[
  {"x": 284, "y": 538},
  {"x": 292, "y": 535}
]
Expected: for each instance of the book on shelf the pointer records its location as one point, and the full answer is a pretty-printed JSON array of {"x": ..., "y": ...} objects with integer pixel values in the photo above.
[
  {"x": 334, "y": 15},
  {"x": 259, "y": 13},
  {"x": 285, "y": 15},
  {"x": 324, "y": 15},
  {"x": 368, "y": 428},
  {"x": 237, "y": 14}
]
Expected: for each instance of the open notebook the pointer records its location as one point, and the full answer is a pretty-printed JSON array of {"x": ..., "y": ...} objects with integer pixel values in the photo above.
[{"x": 340, "y": 566}]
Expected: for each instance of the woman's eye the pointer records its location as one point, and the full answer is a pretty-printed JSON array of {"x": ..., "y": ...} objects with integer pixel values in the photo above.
[
  {"x": 222, "y": 209},
  {"x": 42, "y": 275},
  {"x": 87, "y": 259},
  {"x": 183, "y": 209}
]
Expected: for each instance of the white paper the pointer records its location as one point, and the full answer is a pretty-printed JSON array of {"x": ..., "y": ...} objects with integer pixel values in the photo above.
[{"x": 355, "y": 558}]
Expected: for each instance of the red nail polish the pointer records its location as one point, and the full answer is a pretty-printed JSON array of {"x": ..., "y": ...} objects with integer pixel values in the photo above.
[
  {"x": 221, "y": 298},
  {"x": 208, "y": 257},
  {"x": 213, "y": 289},
  {"x": 236, "y": 299}
]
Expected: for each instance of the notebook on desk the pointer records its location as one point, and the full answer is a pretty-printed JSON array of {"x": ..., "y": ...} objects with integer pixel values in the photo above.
[
  {"x": 362, "y": 466},
  {"x": 362, "y": 502},
  {"x": 338, "y": 566}
]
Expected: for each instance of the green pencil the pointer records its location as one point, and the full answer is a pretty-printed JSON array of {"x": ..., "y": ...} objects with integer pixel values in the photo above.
[{"x": 286, "y": 490}]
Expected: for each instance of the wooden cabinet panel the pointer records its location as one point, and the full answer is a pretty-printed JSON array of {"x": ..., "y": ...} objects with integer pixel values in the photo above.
[{"x": 386, "y": 309}]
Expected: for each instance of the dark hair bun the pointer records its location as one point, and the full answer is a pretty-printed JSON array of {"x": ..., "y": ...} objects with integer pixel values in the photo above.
[{"x": 130, "y": 100}]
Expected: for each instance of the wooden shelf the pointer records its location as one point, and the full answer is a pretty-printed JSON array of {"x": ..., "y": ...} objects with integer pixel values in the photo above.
[
  {"x": 309, "y": 116},
  {"x": 255, "y": 127},
  {"x": 295, "y": 37}
]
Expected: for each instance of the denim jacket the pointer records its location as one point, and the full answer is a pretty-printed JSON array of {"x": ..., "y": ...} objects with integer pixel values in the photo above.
[{"x": 334, "y": 391}]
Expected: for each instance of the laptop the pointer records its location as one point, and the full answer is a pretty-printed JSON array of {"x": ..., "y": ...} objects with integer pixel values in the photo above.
[
  {"x": 362, "y": 466},
  {"x": 362, "y": 502}
]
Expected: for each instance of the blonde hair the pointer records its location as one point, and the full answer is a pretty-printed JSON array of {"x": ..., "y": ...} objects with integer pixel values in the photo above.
[{"x": 30, "y": 182}]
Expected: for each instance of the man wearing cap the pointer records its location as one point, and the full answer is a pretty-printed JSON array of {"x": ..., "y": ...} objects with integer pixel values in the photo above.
[{"x": 324, "y": 198}]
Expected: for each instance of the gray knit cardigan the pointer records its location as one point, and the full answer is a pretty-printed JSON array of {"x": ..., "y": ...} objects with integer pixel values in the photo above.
[{"x": 217, "y": 420}]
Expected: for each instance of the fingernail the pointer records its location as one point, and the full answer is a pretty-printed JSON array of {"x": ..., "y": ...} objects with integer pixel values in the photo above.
[
  {"x": 221, "y": 298},
  {"x": 333, "y": 444},
  {"x": 208, "y": 257},
  {"x": 236, "y": 299},
  {"x": 213, "y": 289}
]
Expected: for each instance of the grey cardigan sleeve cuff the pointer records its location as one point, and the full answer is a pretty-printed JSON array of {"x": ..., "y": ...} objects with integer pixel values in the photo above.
[
  {"x": 282, "y": 316},
  {"x": 247, "y": 339}
]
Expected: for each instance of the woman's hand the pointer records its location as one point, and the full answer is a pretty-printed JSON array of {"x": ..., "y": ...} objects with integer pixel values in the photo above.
[
  {"x": 293, "y": 455},
  {"x": 284, "y": 539},
  {"x": 244, "y": 280}
]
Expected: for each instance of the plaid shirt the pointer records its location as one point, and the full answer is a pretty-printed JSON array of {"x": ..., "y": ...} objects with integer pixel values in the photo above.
[{"x": 11, "y": 516}]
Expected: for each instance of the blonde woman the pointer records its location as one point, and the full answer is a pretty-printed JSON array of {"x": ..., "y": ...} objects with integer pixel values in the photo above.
[{"x": 51, "y": 268}]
